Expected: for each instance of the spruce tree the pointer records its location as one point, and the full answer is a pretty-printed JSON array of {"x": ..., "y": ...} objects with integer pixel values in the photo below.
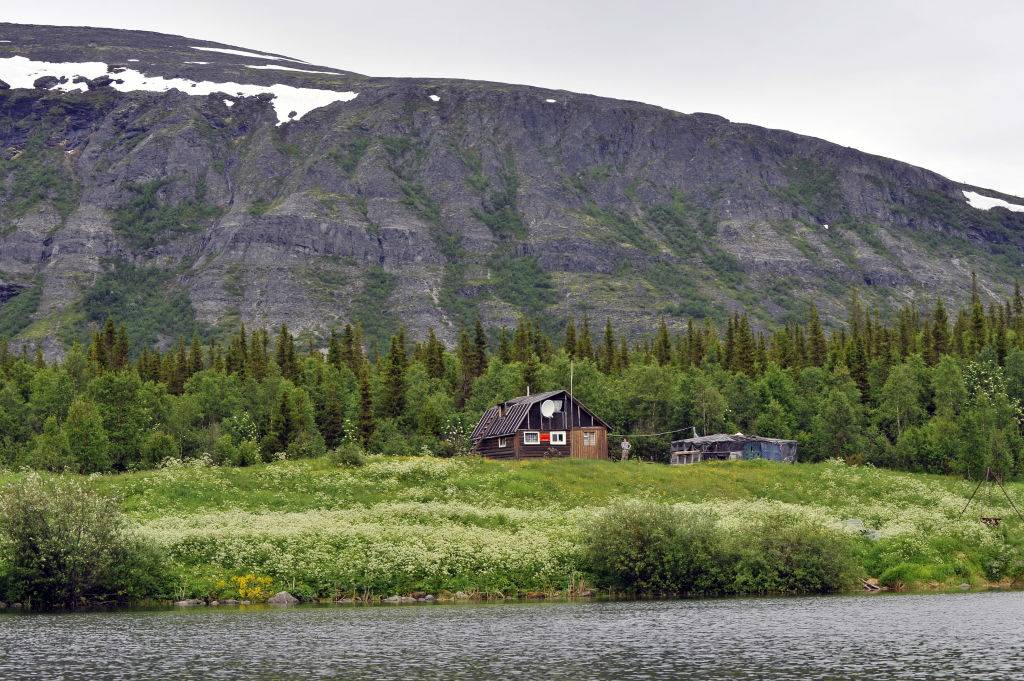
[
  {"x": 938, "y": 344},
  {"x": 663, "y": 345},
  {"x": 365, "y": 421},
  {"x": 622, "y": 360},
  {"x": 434, "y": 355},
  {"x": 479, "y": 349},
  {"x": 282, "y": 425},
  {"x": 531, "y": 373},
  {"x": 608, "y": 348},
  {"x": 977, "y": 327},
  {"x": 332, "y": 425},
  {"x": 284, "y": 354},
  {"x": 744, "y": 350},
  {"x": 393, "y": 396},
  {"x": 195, "y": 357},
  {"x": 584, "y": 345},
  {"x": 334, "y": 353},
  {"x": 570, "y": 338},
  {"x": 504, "y": 346}
]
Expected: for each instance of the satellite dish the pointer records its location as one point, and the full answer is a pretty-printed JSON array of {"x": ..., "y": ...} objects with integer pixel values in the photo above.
[{"x": 547, "y": 408}]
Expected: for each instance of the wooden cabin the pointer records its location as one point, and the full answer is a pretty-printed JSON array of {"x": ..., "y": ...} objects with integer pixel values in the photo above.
[
  {"x": 545, "y": 424},
  {"x": 722, "y": 446}
]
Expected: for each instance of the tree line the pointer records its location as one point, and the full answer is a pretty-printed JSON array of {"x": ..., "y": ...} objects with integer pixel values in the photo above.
[{"x": 916, "y": 391}]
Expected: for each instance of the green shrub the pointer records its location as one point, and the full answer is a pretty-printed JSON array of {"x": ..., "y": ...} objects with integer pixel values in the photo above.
[
  {"x": 654, "y": 549},
  {"x": 307, "y": 446},
  {"x": 67, "y": 547},
  {"x": 349, "y": 453},
  {"x": 777, "y": 556}
]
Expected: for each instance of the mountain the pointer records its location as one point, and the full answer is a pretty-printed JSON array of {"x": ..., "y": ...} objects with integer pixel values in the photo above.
[{"x": 186, "y": 186}]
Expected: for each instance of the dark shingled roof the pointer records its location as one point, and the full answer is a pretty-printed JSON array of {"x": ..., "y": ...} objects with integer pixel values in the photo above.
[{"x": 493, "y": 424}]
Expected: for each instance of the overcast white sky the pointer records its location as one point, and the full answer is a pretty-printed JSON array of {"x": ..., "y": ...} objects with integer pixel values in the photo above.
[{"x": 936, "y": 83}]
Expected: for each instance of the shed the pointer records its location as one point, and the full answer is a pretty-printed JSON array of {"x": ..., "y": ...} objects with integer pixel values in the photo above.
[
  {"x": 545, "y": 424},
  {"x": 723, "y": 446}
]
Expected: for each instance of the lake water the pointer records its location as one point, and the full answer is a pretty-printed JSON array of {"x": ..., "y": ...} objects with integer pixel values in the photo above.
[{"x": 962, "y": 636}]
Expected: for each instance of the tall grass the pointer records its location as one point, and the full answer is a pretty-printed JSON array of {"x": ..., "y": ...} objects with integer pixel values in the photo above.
[{"x": 404, "y": 524}]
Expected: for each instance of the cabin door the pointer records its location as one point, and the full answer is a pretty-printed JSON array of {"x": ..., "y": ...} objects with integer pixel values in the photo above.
[{"x": 589, "y": 443}]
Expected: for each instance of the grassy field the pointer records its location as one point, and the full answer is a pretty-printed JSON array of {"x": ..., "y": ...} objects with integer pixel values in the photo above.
[{"x": 399, "y": 525}]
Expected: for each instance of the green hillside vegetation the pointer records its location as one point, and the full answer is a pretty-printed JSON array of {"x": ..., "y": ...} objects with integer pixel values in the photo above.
[
  {"x": 238, "y": 463},
  {"x": 917, "y": 394},
  {"x": 401, "y": 525}
]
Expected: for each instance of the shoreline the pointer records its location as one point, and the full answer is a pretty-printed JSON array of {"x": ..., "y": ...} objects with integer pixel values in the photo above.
[{"x": 448, "y": 600}]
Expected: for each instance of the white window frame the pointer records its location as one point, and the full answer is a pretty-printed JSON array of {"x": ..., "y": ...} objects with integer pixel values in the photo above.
[
  {"x": 591, "y": 436},
  {"x": 503, "y": 442},
  {"x": 531, "y": 437},
  {"x": 558, "y": 437}
]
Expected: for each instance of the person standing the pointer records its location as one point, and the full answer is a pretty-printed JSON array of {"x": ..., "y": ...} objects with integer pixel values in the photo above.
[{"x": 625, "y": 448}]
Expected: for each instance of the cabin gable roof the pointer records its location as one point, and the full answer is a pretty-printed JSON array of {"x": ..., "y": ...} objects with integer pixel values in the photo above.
[{"x": 494, "y": 424}]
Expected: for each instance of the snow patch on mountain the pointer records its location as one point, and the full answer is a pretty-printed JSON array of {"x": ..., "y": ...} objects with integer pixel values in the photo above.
[
  {"x": 243, "y": 53},
  {"x": 982, "y": 202},
  {"x": 273, "y": 67},
  {"x": 20, "y": 72}
]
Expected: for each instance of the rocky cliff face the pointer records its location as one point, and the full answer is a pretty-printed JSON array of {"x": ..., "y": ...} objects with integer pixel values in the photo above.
[{"x": 187, "y": 186}]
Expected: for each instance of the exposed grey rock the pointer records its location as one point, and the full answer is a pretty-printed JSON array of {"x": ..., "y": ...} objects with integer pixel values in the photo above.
[
  {"x": 622, "y": 205},
  {"x": 229, "y": 601},
  {"x": 282, "y": 598},
  {"x": 45, "y": 82},
  {"x": 189, "y": 602},
  {"x": 461, "y": 595},
  {"x": 965, "y": 587},
  {"x": 101, "y": 81},
  {"x": 4, "y": 85}
]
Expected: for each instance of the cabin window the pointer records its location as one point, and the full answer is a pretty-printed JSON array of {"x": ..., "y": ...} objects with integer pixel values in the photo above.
[
  {"x": 558, "y": 437},
  {"x": 531, "y": 437},
  {"x": 589, "y": 439},
  {"x": 503, "y": 442}
]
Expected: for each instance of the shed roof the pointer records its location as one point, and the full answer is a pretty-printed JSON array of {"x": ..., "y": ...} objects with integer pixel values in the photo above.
[{"x": 738, "y": 438}]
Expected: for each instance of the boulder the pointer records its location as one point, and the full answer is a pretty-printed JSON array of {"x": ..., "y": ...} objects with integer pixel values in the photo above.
[
  {"x": 429, "y": 598},
  {"x": 282, "y": 598},
  {"x": 45, "y": 83},
  {"x": 3, "y": 605},
  {"x": 101, "y": 81},
  {"x": 229, "y": 601},
  {"x": 965, "y": 587},
  {"x": 212, "y": 603},
  {"x": 392, "y": 599},
  {"x": 344, "y": 601},
  {"x": 4, "y": 85},
  {"x": 461, "y": 595},
  {"x": 188, "y": 602},
  {"x": 245, "y": 602}
]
